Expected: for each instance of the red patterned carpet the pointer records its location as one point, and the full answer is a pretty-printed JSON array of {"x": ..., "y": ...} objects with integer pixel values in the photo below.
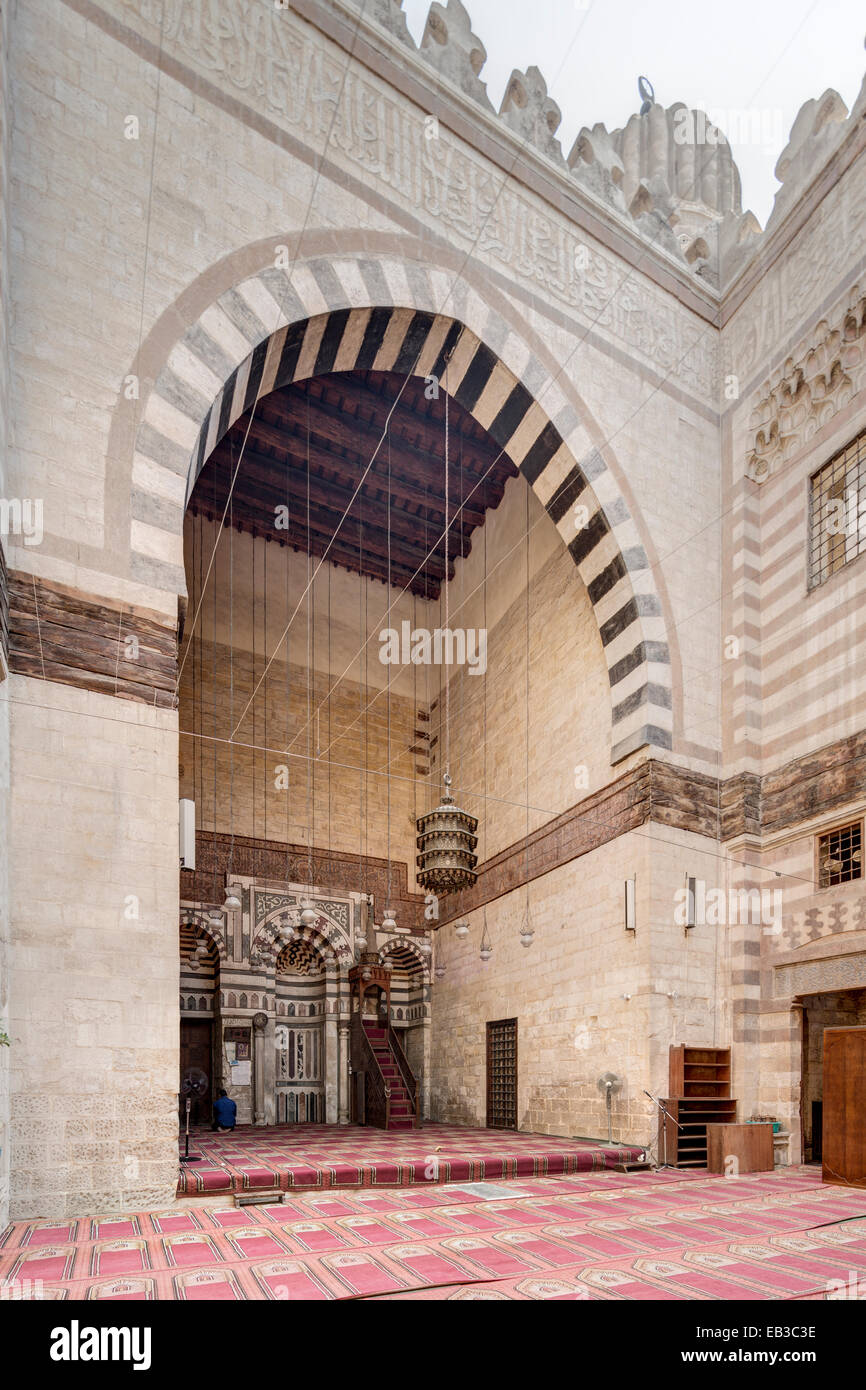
[
  {"x": 671, "y": 1235},
  {"x": 328, "y": 1156}
]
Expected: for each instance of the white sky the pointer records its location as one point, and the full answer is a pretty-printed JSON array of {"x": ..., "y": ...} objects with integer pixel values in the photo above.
[{"x": 764, "y": 56}]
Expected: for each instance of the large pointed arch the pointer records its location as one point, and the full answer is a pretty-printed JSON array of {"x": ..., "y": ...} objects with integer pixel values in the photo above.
[{"x": 344, "y": 315}]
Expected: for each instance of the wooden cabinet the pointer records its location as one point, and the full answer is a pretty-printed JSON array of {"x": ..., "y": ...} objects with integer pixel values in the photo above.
[
  {"x": 700, "y": 1090},
  {"x": 843, "y": 1147},
  {"x": 751, "y": 1146},
  {"x": 687, "y": 1142},
  {"x": 699, "y": 1071}
]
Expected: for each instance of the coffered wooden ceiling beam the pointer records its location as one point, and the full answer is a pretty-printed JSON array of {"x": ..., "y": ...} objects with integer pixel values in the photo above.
[
  {"x": 320, "y": 435},
  {"x": 329, "y": 477},
  {"x": 339, "y": 553},
  {"x": 327, "y": 518},
  {"x": 288, "y": 487}
]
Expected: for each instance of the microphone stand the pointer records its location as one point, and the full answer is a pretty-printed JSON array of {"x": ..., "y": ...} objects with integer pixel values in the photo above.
[
  {"x": 186, "y": 1156},
  {"x": 668, "y": 1116}
]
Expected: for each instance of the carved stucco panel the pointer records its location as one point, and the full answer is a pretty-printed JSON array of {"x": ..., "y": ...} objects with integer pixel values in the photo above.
[{"x": 278, "y": 64}]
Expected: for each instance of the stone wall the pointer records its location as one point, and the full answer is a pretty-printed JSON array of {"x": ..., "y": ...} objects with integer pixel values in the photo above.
[
  {"x": 312, "y": 750},
  {"x": 137, "y": 289},
  {"x": 94, "y": 1009},
  {"x": 588, "y": 995},
  {"x": 558, "y": 710},
  {"x": 4, "y": 709}
]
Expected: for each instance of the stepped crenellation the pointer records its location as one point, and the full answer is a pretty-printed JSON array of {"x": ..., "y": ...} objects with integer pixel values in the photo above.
[{"x": 668, "y": 172}]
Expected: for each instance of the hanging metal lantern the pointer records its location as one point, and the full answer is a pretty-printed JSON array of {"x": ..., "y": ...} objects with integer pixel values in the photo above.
[
  {"x": 527, "y": 933},
  {"x": 232, "y": 902},
  {"x": 446, "y": 840},
  {"x": 389, "y": 921},
  {"x": 486, "y": 948},
  {"x": 439, "y": 972},
  {"x": 215, "y": 914},
  {"x": 308, "y": 913},
  {"x": 462, "y": 929}
]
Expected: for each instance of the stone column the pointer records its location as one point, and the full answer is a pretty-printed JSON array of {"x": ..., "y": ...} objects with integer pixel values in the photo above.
[
  {"x": 791, "y": 1114},
  {"x": 332, "y": 1069},
  {"x": 343, "y": 1073},
  {"x": 260, "y": 1023},
  {"x": 426, "y": 1052}
]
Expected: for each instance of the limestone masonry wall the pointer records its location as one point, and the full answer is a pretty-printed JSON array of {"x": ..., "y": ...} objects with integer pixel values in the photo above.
[{"x": 158, "y": 163}]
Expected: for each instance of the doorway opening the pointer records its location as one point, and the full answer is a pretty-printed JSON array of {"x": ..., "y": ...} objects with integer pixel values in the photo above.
[{"x": 840, "y": 1009}]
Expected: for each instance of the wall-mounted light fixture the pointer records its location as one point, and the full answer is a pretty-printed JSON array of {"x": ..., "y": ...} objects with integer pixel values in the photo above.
[
  {"x": 630, "y": 919},
  {"x": 691, "y": 888}
]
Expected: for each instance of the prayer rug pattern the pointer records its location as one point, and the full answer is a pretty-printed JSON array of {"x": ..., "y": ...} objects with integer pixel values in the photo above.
[
  {"x": 329, "y": 1156},
  {"x": 600, "y": 1235}
]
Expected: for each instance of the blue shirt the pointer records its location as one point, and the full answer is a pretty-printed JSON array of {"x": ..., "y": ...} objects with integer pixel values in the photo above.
[{"x": 224, "y": 1112}]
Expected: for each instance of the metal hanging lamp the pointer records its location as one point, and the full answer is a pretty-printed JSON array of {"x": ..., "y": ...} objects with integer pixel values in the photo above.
[
  {"x": 446, "y": 836},
  {"x": 446, "y": 841},
  {"x": 486, "y": 949}
]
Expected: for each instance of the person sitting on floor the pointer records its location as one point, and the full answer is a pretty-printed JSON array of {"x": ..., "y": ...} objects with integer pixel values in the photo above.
[{"x": 225, "y": 1113}]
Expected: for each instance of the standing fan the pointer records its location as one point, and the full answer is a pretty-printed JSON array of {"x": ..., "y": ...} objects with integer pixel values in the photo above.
[
  {"x": 194, "y": 1084},
  {"x": 609, "y": 1084}
]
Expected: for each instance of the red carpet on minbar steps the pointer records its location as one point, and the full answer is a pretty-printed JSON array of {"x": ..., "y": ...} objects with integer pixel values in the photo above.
[{"x": 329, "y": 1156}]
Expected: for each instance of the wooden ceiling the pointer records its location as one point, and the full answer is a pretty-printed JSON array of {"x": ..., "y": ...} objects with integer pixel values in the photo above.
[{"x": 307, "y": 449}]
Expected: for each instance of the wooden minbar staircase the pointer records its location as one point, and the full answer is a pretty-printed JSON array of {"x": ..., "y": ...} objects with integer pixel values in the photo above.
[{"x": 385, "y": 1091}]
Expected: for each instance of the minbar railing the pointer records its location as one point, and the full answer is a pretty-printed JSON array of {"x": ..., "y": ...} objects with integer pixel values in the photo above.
[
  {"x": 377, "y": 1093},
  {"x": 409, "y": 1080}
]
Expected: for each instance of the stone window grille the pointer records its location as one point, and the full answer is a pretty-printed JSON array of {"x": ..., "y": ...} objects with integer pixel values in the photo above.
[
  {"x": 837, "y": 521},
  {"x": 840, "y": 855}
]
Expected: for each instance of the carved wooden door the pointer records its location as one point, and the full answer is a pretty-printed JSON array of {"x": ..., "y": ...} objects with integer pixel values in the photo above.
[{"x": 195, "y": 1057}]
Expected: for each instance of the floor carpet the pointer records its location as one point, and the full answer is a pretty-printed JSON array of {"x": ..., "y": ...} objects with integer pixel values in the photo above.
[
  {"x": 329, "y": 1156},
  {"x": 604, "y": 1235}
]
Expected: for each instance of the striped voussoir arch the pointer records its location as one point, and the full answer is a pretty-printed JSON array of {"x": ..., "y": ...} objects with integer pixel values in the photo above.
[
  {"x": 228, "y": 360},
  {"x": 266, "y": 939},
  {"x": 406, "y": 953}
]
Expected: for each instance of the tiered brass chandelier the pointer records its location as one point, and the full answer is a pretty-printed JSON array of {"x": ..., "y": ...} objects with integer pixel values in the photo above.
[
  {"x": 446, "y": 840},
  {"x": 446, "y": 836}
]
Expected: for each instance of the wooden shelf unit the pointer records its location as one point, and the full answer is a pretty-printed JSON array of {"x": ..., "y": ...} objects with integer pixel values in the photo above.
[
  {"x": 687, "y": 1147},
  {"x": 700, "y": 1094},
  {"x": 700, "y": 1071}
]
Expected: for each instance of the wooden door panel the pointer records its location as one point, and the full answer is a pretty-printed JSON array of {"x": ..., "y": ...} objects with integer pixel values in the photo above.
[
  {"x": 196, "y": 1036},
  {"x": 843, "y": 1156}
]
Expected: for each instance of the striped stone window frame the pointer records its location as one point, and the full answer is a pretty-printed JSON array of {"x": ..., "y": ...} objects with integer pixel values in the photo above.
[{"x": 837, "y": 511}]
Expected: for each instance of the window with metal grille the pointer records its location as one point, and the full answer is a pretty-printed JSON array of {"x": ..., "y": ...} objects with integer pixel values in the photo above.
[
  {"x": 502, "y": 1074},
  {"x": 840, "y": 855},
  {"x": 837, "y": 524}
]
